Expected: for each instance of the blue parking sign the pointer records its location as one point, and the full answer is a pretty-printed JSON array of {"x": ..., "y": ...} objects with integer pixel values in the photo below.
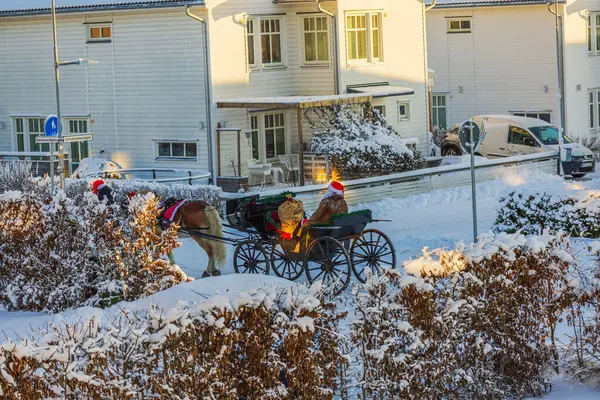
[{"x": 51, "y": 126}]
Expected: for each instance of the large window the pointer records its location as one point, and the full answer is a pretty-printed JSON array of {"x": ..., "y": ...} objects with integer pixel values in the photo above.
[
  {"x": 594, "y": 107},
  {"x": 364, "y": 37},
  {"x": 274, "y": 135},
  {"x": 316, "y": 39},
  {"x": 593, "y": 33},
  {"x": 177, "y": 150},
  {"x": 439, "y": 109},
  {"x": 264, "y": 37},
  {"x": 26, "y": 130},
  {"x": 543, "y": 115}
]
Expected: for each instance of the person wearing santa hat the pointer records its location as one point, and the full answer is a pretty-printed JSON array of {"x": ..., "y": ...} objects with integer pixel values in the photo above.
[
  {"x": 103, "y": 191},
  {"x": 333, "y": 203}
]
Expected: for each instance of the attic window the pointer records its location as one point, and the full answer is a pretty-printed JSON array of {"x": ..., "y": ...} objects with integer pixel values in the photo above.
[
  {"x": 459, "y": 25},
  {"x": 99, "y": 33}
]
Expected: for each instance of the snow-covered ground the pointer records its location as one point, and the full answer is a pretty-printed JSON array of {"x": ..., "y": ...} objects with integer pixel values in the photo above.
[{"x": 436, "y": 219}]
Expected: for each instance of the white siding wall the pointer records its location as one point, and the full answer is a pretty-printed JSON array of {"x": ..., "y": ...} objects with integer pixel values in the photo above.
[
  {"x": 580, "y": 68},
  {"x": 148, "y": 83},
  {"x": 502, "y": 65},
  {"x": 404, "y": 62}
]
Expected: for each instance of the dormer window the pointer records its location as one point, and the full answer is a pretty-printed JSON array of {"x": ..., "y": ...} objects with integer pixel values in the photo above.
[{"x": 99, "y": 33}]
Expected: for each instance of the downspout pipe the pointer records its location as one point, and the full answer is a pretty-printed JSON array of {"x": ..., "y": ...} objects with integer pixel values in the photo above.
[
  {"x": 207, "y": 94},
  {"x": 336, "y": 52},
  {"x": 561, "y": 81},
  {"x": 426, "y": 62}
]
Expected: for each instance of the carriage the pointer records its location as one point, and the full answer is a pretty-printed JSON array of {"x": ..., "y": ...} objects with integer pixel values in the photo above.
[{"x": 331, "y": 252}]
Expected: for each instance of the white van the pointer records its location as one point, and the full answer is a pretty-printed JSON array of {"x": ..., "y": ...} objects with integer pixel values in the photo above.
[{"x": 508, "y": 135}]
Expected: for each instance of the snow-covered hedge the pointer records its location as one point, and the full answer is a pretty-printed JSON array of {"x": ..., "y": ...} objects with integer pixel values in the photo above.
[
  {"x": 470, "y": 323},
  {"x": 358, "y": 146},
  {"x": 257, "y": 345},
  {"x": 14, "y": 175},
  {"x": 56, "y": 254},
  {"x": 76, "y": 189},
  {"x": 577, "y": 214}
]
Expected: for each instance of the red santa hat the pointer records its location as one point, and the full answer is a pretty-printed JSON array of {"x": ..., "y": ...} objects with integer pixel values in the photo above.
[
  {"x": 335, "y": 188},
  {"x": 97, "y": 185}
]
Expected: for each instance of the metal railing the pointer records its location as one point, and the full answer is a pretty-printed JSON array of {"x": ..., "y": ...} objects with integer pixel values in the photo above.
[
  {"x": 192, "y": 175},
  {"x": 414, "y": 182}
]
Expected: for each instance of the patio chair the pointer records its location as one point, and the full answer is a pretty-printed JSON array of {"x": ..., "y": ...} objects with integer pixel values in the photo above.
[
  {"x": 292, "y": 164},
  {"x": 259, "y": 171}
]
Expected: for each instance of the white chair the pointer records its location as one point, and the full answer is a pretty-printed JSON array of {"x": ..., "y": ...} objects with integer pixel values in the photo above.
[
  {"x": 292, "y": 164},
  {"x": 258, "y": 170}
]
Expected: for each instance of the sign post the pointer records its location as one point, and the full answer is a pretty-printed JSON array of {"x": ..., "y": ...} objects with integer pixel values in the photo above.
[
  {"x": 51, "y": 130},
  {"x": 469, "y": 136}
]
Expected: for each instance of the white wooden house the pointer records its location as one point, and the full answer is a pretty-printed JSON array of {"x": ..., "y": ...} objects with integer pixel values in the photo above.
[
  {"x": 161, "y": 89},
  {"x": 500, "y": 57}
]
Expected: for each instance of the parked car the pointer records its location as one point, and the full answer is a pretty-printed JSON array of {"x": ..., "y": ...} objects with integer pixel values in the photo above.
[{"x": 508, "y": 135}]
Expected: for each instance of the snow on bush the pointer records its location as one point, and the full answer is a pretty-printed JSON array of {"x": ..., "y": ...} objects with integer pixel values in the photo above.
[
  {"x": 358, "y": 146},
  {"x": 474, "y": 322},
  {"x": 576, "y": 214},
  {"x": 76, "y": 189},
  {"x": 258, "y": 345},
  {"x": 56, "y": 254},
  {"x": 14, "y": 174}
]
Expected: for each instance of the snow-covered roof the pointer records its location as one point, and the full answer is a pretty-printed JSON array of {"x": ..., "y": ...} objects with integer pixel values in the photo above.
[
  {"x": 486, "y": 3},
  {"x": 381, "y": 90},
  {"x": 33, "y": 7},
  {"x": 295, "y": 101}
]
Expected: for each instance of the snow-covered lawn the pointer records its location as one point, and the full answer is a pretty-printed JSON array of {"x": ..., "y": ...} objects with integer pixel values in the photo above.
[{"x": 436, "y": 219}]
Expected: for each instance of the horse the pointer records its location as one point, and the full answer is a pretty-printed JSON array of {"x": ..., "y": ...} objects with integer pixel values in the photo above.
[{"x": 205, "y": 218}]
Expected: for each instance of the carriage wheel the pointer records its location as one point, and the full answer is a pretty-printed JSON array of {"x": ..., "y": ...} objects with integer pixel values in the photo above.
[
  {"x": 284, "y": 264},
  {"x": 326, "y": 259},
  {"x": 373, "y": 249},
  {"x": 250, "y": 257}
]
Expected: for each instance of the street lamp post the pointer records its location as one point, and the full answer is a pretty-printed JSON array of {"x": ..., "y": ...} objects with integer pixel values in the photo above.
[{"x": 61, "y": 150}]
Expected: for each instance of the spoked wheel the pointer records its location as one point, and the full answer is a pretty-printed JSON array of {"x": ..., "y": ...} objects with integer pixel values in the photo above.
[
  {"x": 326, "y": 259},
  {"x": 284, "y": 264},
  {"x": 373, "y": 249},
  {"x": 250, "y": 257}
]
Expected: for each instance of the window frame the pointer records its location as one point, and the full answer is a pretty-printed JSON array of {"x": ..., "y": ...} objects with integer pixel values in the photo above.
[
  {"x": 259, "y": 65},
  {"x": 171, "y": 142},
  {"x": 262, "y": 134},
  {"x": 537, "y": 113},
  {"x": 255, "y": 130},
  {"x": 275, "y": 129},
  {"x": 406, "y": 116},
  {"x": 25, "y": 126},
  {"x": 77, "y": 126},
  {"x": 303, "y": 33},
  {"x": 437, "y": 107},
  {"x": 370, "y": 59},
  {"x": 593, "y": 33},
  {"x": 594, "y": 110},
  {"x": 102, "y": 38},
  {"x": 382, "y": 110},
  {"x": 460, "y": 20}
]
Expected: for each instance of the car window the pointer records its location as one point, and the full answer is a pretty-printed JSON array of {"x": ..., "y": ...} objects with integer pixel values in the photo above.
[
  {"x": 520, "y": 136},
  {"x": 548, "y": 134}
]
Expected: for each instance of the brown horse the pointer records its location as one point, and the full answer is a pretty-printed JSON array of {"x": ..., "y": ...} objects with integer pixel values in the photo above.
[{"x": 206, "y": 219}]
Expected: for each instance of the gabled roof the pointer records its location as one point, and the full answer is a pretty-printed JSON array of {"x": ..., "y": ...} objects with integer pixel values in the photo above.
[
  {"x": 487, "y": 3},
  {"x": 35, "y": 7}
]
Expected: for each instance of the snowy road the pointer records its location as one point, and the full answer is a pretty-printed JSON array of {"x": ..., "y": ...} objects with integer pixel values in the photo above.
[{"x": 438, "y": 219}]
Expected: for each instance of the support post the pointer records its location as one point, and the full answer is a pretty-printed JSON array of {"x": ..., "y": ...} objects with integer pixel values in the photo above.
[
  {"x": 239, "y": 152},
  {"x": 300, "y": 150},
  {"x": 60, "y": 169},
  {"x": 218, "y": 154},
  {"x": 473, "y": 187}
]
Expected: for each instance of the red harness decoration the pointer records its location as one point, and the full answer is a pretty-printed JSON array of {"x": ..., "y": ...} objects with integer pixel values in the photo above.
[{"x": 171, "y": 211}]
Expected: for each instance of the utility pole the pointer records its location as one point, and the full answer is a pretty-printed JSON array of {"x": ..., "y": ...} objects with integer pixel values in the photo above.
[
  {"x": 560, "y": 88},
  {"x": 61, "y": 149}
]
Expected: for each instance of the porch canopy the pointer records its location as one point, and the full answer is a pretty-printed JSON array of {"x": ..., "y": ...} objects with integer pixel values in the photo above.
[{"x": 366, "y": 95}]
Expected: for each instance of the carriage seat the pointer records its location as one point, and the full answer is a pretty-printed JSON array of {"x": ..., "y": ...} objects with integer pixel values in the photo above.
[{"x": 350, "y": 224}]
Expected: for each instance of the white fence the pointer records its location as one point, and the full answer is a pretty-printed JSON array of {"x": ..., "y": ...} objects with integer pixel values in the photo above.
[{"x": 419, "y": 181}]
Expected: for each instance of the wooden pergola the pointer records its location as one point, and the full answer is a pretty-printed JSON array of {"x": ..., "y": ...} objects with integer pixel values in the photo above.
[{"x": 364, "y": 95}]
